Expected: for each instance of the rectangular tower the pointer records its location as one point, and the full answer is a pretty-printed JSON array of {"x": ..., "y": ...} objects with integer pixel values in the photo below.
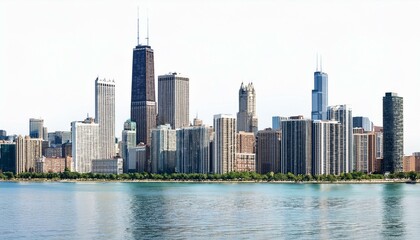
[
  {"x": 326, "y": 147},
  {"x": 85, "y": 144},
  {"x": 247, "y": 120},
  {"x": 143, "y": 102},
  {"x": 393, "y": 135},
  {"x": 36, "y": 128},
  {"x": 268, "y": 151},
  {"x": 105, "y": 116},
  {"x": 173, "y": 100},
  {"x": 320, "y": 96},
  {"x": 224, "y": 143}
]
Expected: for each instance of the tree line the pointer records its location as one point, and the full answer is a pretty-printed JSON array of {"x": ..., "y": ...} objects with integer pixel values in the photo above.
[{"x": 231, "y": 176}]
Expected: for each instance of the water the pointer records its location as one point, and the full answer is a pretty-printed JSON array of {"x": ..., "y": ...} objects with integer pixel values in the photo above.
[{"x": 208, "y": 211}]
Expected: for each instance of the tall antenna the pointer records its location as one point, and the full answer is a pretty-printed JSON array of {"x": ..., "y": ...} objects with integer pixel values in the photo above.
[
  {"x": 317, "y": 65},
  {"x": 138, "y": 34},
  {"x": 147, "y": 30},
  {"x": 321, "y": 62}
]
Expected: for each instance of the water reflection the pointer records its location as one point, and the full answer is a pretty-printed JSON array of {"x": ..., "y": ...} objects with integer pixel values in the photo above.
[{"x": 393, "y": 225}]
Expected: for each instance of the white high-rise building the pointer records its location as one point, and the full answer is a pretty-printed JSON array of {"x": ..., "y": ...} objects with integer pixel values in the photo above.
[
  {"x": 163, "y": 149},
  {"x": 85, "y": 148},
  {"x": 105, "y": 116},
  {"x": 247, "y": 116},
  {"x": 224, "y": 143},
  {"x": 128, "y": 141},
  {"x": 343, "y": 115},
  {"x": 173, "y": 100},
  {"x": 326, "y": 147}
]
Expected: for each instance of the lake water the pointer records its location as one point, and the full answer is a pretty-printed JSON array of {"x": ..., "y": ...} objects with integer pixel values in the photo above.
[{"x": 208, "y": 211}]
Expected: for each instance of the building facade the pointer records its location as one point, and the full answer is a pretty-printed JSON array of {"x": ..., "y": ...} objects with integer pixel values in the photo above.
[
  {"x": 296, "y": 145},
  {"x": 53, "y": 164},
  {"x": 36, "y": 128},
  {"x": 268, "y": 151},
  {"x": 128, "y": 141},
  {"x": 143, "y": 100},
  {"x": 28, "y": 150},
  {"x": 7, "y": 157},
  {"x": 326, "y": 147},
  {"x": 247, "y": 120},
  {"x": 137, "y": 161},
  {"x": 173, "y": 100},
  {"x": 107, "y": 166},
  {"x": 320, "y": 96},
  {"x": 163, "y": 149},
  {"x": 105, "y": 116},
  {"x": 363, "y": 122},
  {"x": 393, "y": 132},
  {"x": 85, "y": 144},
  {"x": 224, "y": 143}
]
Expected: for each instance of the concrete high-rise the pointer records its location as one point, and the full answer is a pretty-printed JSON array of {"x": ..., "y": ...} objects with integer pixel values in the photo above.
[
  {"x": 143, "y": 101},
  {"x": 28, "y": 151},
  {"x": 36, "y": 128},
  {"x": 85, "y": 144},
  {"x": 247, "y": 120},
  {"x": 296, "y": 145},
  {"x": 268, "y": 157},
  {"x": 224, "y": 143},
  {"x": 343, "y": 115},
  {"x": 326, "y": 147},
  {"x": 173, "y": 100},
  {"x": 393, "y": 127},
  {"x": 163, "y": 149},
  {"x": 245, "y": 152},
  {"x": 320, "y": 95},
  {"x": 105, "y": 116},
  {"x": 128, "y": 141}
]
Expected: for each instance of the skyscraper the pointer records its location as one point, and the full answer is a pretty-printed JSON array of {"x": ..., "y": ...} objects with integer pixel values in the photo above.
[
  {"x": 143, "y": 101},
  {"x": 393, "y": 135},
  {"x": 163, "y": 149},
  {"x": 36, "y": 128},
  {"x": 173, "y": 100},
  {"x": 245, "y": 152},
  {"x": 343, "y": 115},
  {"x": 224, "y": 143},
  {"x": 85, "y": 144},
  {"x": 247, "y": 116},
  {"x": 363, "y": 122},
  {"x": 128, "y": 141},
  {"x": 105, "y": 116},
  {"x": 320, "y": 95},
  {"x": 326, "y": 147},
  {"x": 268, "y": 151},
  {"x": 27, "y": 152},
  {"x": 296, "y": 147}
]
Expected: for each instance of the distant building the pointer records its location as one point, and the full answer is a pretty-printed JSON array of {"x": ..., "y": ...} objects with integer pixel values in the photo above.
[
  {"x": 224, "y": 143},
  {"x": 7, "y": 157},
  {"x": 363, "y": 122},
  {"x": 343, "y": 115},
  {"x": 173, "y": 100},
  {"x": 28, "y": 150},
  {"x": 137, "y": 161},
  {"x": 59, "y": 137},
  {"x": 128, "y": 141},
  {"x": 193, "y": 149},
  {"x": 364, "y": 150},
  {"x": 36, "y": 128},
  {"x": 245, "y": 162},
  {"x": 53, "y": 164},
  {"x": 3, "y": 134},
  {"x": 163, "y": 149},
  {"x": 320, "y": 95},
  {"x": 326, "y": 147},
  {"x": 245, "y": 152},
  {"x": 276, "y": 122},
  {"x": 107, "y": 166},
  {"x": 377, "y": 166},
  {"x": 247, "y": 120},
  {"x": 417, "y": 161},
  {"x": 393, "y": 135},
  {"x": 268, "y": 151},
  {"x": 409, "y": 163},
  {"x": 85, "y": 144},
  {"x": 54, "y": 152},
  {"x": 105, "y": 116},
  {"x": 296, "y": 145}
]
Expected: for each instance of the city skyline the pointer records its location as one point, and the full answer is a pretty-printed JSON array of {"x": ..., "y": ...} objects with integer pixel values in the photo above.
[{"x": 364, "y": 56}]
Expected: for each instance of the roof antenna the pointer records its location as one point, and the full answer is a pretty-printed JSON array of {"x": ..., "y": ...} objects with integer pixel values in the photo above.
[
  {"x": 148, "y": 30},
  {"x": 321, "y": 62},
  {"x": 317, "y": 65},
  {"x": 138, "y": 38}
]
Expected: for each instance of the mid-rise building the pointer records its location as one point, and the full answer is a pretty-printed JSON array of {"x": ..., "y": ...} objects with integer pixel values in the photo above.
[
  {"x": 393, "y": 132},
  {"x": 28, "y": 150},
  {"x": 409, "y": 163},
  {"x": 137, "y": 161},
  {"x": 245, "y": 152},
  {"x": 193, "y": 149},
  {"x": 343, "y": 115},
  {"x": 224, "y": 143},
  {"x": 417, "y": 161},
  {"x": 52, "y": 164},
  {"x": 173, "y": 100},
  {"x": 363, "y": 122},
  {"x": 296, "y": 145},
  {"x": 59, "y": 137},
  {"x": 85, "y": 144},
  {"x": 247, "y": 120},
  {"x": 7, "y": 157},
  {"x": 163, "y": 149},
  {"x": 268, "y": 151},
  {"x": 107, "y": 166},
  {"x": 105, "y": 116},
  {"x": 128, "y": 141},
  {"x": 364, "y": 150}
]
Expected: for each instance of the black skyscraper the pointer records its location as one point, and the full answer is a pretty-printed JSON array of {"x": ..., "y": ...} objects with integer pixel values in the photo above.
[
  {"x": 143, "y": 103},
  {"x": 393, "y": 133}
]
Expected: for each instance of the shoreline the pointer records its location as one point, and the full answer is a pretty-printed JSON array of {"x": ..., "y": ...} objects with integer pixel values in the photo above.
[{"x": 374, "y": 181}]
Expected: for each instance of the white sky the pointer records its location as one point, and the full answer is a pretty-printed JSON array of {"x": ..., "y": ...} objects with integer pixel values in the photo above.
[{"x": 52, "y": 51}]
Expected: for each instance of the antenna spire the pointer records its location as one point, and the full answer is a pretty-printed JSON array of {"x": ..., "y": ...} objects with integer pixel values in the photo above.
[
  {"x": 317, "y": 62},
  {"x": 147, "y": 30},
  {"x": 320, "y": 62},
  {"x": 138, "y": 34}
]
